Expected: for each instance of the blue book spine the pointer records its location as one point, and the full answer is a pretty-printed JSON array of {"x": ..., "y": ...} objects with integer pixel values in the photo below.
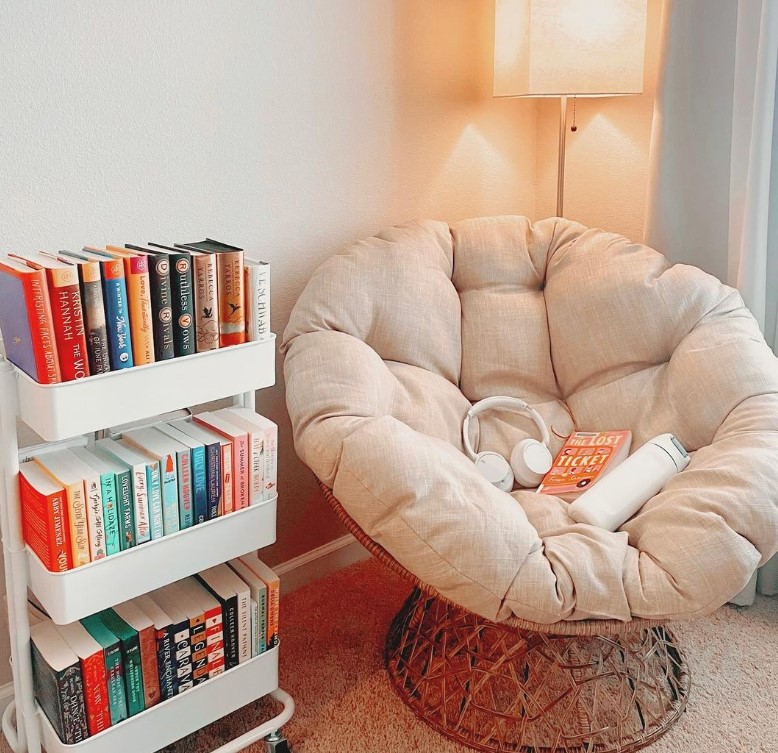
[
  {"x": 117, "y": 321},
  {"x": 214, "y": 471},
  {"x": 199, "y": 484},
  {"x": 154, "y": 486},
  {"x": 110, "y": 513},
  {"x": 170, "y": 520}
]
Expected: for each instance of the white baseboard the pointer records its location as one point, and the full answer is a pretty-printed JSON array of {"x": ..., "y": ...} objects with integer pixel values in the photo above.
[{"x": 320, "y": 562}]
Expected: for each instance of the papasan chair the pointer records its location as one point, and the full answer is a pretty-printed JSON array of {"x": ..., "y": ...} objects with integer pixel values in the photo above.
[{"x": 526, "y": 631}]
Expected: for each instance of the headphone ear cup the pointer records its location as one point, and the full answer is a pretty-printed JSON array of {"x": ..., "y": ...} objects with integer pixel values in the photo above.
[
  {"x": 495, "y": 469},
  {"x": 530, "y": 461}
]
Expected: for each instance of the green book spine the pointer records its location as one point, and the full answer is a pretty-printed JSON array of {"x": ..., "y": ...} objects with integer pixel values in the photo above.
[
  {"x": 126, "y": 514},
  {"x": 133, "y": 673},
  {"x": 154, "y": 485},
  {"x": 110, "y": 513},
  {"x": 114, "y": 670}
]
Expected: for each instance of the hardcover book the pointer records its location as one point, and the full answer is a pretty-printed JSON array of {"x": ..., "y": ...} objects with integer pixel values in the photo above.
[
  {"x": 257, "y": 276},
  {"x": 182, "y": 287},
  {"x": 214, "y": 456},
  {"x": 26, "y": 321},
  {"x": 109, "y": 495},
  {"x": 165, "y": 648},
  {"x": 44, "y": 517},
  {"x": 206, "y": 301},
  {"x": 131, "y": 659},
  {"x": 135, "y": 617},
  {"x": 58, "y": 683},
  {"x": 273, "y": 584},
  {"x": 114, "y": 668},
  {"x": 585, "y": 458},
  {"x": 240, "y": 453}
]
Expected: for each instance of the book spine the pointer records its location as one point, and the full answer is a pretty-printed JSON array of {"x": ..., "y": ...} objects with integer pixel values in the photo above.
[
  {"x": 228, "y": 486},
  {"x": 214, "y": 635},
  {"x": 183, "y": 657},
  {"x": 117, "y": 696},
  {"x": 148, "y": 658},
  {"x": 94, "y": 511},
  {"x": 79, "y": 528},
  {"x": 183, "y": 304},
  {"x": 186, "y": 511},
  {"x": 126, "y": 500},
  {"x": 41, "y": 322},
  {"x": 170, "y": 515},
  {"x": 273, "y": 599},
  {"x": 94, "y": 317},
  {"x": 133, "y": 675},
  {"x": 271, "y": 460},
  {"x": 257, "y": 469},
  {"x": 140, "y": 498},
  {"x": 199, "y": 643},
  {"x": 254, "y": 628},
  {"x": 136, "y": 270},
  {"x": 231, "y": 633},
  {"x": 110, "y": 513},
  {"x": 214, "y": 465},
  {"x": 240, "y": 464},
  {"x": 68, "y": 315},
  {"x": 71, "y": 697},
  {"x": 116, "y": 314},
  {"x": 53, "y": 693},
  {"x": 98, "y": 712},
  {"x": 165, "y": 668},
  {"x": 45, "y": 526},
  {"x": 161, "y": 307},
  {"x": 258, "y": 301},
  {"x": 244, "y": 626},
  {"x": 232, "y": 309},
  {"x": 154, "y": 485},
  {"x": 199, "y": 485},
  {"x": 206, "y": 302},
  {"x": 262, "y": 608}
]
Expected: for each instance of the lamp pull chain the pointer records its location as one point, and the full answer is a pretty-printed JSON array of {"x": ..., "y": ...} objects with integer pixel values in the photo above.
[{"x": 574, "y": 127}]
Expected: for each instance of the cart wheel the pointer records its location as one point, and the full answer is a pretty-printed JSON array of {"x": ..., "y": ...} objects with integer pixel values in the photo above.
[{"x": 275, "y": 742}]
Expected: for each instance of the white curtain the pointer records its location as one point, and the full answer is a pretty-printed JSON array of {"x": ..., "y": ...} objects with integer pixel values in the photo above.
[{"x": 713, "y": 176}]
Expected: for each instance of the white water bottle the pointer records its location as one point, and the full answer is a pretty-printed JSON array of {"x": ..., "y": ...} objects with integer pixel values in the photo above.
[{"x": 617, "y": 496}]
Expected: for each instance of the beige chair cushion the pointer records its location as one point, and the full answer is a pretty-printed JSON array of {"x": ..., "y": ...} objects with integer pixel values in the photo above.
[{"x": 391, "y": 342}]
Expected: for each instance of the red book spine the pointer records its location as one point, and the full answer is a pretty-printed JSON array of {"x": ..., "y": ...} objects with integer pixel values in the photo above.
[
  {"x": 214, "y": 636},
  {"x": 45, "y": 526},
  {"x": 68, "y": 318},
  {"x": 148, "y": 663},
  {"x": 44, "y": 344},
  {"x": 98, "y": 715}
]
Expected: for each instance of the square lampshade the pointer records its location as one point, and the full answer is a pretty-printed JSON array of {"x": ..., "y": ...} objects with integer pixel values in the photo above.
[{"x": 579, "y": 48}]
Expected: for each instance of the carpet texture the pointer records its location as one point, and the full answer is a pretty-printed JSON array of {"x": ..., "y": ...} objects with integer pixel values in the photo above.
[{"x": 332, "y": 663}]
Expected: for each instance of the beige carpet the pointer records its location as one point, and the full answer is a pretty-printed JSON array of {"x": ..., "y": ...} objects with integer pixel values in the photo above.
[{"x": 331, "y": 662}]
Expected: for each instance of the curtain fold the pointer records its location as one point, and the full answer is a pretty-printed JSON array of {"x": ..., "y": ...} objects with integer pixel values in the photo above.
[{"x": 713, "y": 173}]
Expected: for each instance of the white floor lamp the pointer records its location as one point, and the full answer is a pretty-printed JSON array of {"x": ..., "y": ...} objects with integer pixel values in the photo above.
[{"x": 568, "y": 48}]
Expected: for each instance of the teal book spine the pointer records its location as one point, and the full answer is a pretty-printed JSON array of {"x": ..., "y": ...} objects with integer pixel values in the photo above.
[
  {"x": 126, "y": 514},
  {"x": 114, "y": 667},
  {"x": 154, "y": 485},
  {"x": 199, "y": 485},
  {"x": 110, "y": 513},
  {"x": 170, "y": 519},
  {"x": 130, "y": 648}
]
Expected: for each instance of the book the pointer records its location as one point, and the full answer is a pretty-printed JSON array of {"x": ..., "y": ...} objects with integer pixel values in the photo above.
[
  {"x": 165, "y": 647},
  {"x": 164, "y": 450},
  {"x": 91, "y": 282},
  {"x": 257, "y": 284},
  {"x": 58, "y": 683},
  {"x": 93, "y": 675},
  {"x": 233, "y": 595},
  {"x": 139, "y": 621},
  {"x": 259, "y": 592},
  {"x": 109, "y": 495},
  {"x": 161, "y": 301},
  {"x": 27, "y": 323},
  {"x": 140, "y": 489},
  {"x": 59, "y": 465},
  {"x": 67, "y": 312},
  {"x": 260, "y": 569},
  {"x": 229, "y": 274},
  {"x": 94, "y": 504},
  {"x": 197, "y": 634},
  {"x": 168, "y": 600},
  {"x": 255, "y": 628},
  {"x": 585, "y": 457},
  {"x": 44, "y": 517},
  {"x": 182, "y": 287},
  {"x": 206, "y": 301},
  {"x": 198, "y": 472},
  {"x": 264, "y": 438},
  {"x": 214, "y": 628},
  {"x": 124, "y": 495},
  {"x": 131, "y": 659},
  {"x": 114, "y": 668},
  {"x": 218, "y": 450},
  {"x": 240, "y": 453},
  {"x": 136, "y": 272}
]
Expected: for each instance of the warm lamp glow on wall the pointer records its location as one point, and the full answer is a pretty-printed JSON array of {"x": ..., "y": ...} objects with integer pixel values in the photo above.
[{"x": 568, "y": 48}]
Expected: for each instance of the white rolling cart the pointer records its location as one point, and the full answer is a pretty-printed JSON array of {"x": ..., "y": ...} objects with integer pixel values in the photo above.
[{"x": 69, "y": 410}]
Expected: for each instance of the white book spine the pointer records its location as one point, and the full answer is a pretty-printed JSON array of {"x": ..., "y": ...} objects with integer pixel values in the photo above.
[
  {"x": 257, "y": 439},
  {"x": 271, "y": 461},
  {"x": 95, "y": 521},
  {"x": 244, "y": 627},
  {"x": 154, "y": 486},
  {"x": 258, "y": 304}
]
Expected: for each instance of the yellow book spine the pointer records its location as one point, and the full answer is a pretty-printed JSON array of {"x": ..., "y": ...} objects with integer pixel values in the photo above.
[{"x": 79, "y": 530}]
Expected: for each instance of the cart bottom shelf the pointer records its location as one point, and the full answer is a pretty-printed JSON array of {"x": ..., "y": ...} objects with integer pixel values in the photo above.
[{"x": 179, "y": 716}]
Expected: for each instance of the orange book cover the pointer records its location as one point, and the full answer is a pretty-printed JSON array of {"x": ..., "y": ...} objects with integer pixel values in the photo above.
[{"x": 585, "y": 457}]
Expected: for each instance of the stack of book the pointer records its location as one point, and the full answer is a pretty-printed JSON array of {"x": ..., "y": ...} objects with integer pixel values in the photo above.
[
  {"x": 92, "y": 674},
  {"x": 68, "y": 315},
  {"x": 80, "y": 505}
]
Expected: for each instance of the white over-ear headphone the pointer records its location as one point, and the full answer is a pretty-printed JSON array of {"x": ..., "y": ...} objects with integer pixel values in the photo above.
[{"x": 530, "y": 459}]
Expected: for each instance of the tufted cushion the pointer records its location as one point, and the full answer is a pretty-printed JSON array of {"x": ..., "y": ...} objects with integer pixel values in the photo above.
[{"x": 391, "y": 342}]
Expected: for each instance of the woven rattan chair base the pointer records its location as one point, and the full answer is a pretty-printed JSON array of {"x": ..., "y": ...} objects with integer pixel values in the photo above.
[{"x": 496, "y": 688}]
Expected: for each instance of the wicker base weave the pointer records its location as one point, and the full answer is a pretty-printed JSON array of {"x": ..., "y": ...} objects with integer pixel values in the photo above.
[{"x": 496, "y": 688}]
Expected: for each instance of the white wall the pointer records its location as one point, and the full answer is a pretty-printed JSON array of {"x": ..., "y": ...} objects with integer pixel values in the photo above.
[{"x": 290, "y": 127}]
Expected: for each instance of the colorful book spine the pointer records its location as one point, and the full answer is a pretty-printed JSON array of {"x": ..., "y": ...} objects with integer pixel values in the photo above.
[
  {"x": 68, "y": 315},
  {"x": 94, "y": 513},
  {"x": 182, "y": 287},
  {"x": 114, "y": 669},
  {"x": 165, "y": 649},
  {"x": 214, "y": 634},
  {"x": 110, "y": 513},
  {"x": 238, "y": 437},
  {"x": 257, "y": 277},
  {"x": 27, "y": 323},
  {"x": 136, "y": 271},
  {"x": 185, "y": 500},
  {"x": 206, "y": 301},
  {"x": 213, "y": 454},
  {"x": 232, "y": 309},
  {"x": 125, "y": 498},
  {"x": 262, "y": 626},
  {"x": 254, "y": 628},
  {"x": 94, "y": 316},
  {"x": 199, "y": 644},
  {"x": 117, "y": 314},
  {"x": 183, "y": 656},
  {"x": 199, "y": 484},
  {"x": 131, "y": 659},
  {"x": 154, "y": 485},
  {"x": 161, "y": 306}
]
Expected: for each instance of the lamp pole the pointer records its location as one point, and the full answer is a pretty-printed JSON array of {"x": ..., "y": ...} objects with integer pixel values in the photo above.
[{"x": 560, "y": 175}]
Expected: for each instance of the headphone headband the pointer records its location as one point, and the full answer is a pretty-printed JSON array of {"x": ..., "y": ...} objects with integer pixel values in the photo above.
[{"x": 501, "y": 401}]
